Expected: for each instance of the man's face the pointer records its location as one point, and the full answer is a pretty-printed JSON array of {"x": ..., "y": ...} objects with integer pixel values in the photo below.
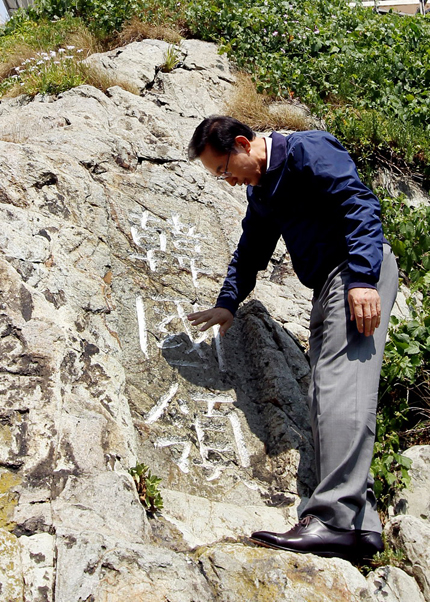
[{"x": 242, "y": 167}]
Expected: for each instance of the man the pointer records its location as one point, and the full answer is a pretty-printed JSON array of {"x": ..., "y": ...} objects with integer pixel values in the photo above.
[{"x": 305, "y": 188}]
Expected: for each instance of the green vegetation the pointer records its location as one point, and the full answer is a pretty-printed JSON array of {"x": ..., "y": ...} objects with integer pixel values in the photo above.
[
  {"x": 147, "y": 488},
  {"x": 387, "y": 557},
  {"x": 366, "y": 75},
  {"x": 404, "y": 407},
  {"x": 172, "y": 57}
]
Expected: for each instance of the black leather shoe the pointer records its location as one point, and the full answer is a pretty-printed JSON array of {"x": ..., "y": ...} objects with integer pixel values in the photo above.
[
  {"x": 311, "y": 536},
  {"x": 369, "y": 543}
]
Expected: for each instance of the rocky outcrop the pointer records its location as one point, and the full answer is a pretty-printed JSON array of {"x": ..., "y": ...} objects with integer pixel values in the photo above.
[
  {"x": 109, "y": 238},
  {"x": 415, "y": 500}
]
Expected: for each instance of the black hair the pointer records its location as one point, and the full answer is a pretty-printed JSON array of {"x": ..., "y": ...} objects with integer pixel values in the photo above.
[{"x": 219, "y": 133}]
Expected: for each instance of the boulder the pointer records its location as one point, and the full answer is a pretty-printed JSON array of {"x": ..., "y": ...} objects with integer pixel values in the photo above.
[
  {"x": 391, "y": 584},
  {"x": 412, "y": 535},
  {"x": 415, "y": 500}
]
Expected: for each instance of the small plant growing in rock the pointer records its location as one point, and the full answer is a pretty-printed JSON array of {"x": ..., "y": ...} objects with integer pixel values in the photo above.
[
  {"x": 147, "y": 488},
  {"x": 171, "y": 59},
  {"x": 388, "y": 557}
]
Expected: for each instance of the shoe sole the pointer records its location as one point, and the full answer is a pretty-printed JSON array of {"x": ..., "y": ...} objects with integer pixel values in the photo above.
[{"x": 348, "y": 557}]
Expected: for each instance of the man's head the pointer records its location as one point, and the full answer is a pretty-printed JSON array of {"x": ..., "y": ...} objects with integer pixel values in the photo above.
[{"x": 229, "y": 150}]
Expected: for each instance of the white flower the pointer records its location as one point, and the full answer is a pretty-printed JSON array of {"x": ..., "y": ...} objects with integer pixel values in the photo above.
[
  {"x": 70, "y": 47},
  {"x": 17, "y": 69},
  {"x": 52, "y": 53},
  {"x": 80, "y": 50},
  {"x": 39, "y": 62},
  {"x": 61, "y": 50},
  {"x": 69, "y": 57}
]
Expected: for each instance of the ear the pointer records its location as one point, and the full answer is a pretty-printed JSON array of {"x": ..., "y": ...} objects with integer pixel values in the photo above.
[{"x": 242, "y": 141}]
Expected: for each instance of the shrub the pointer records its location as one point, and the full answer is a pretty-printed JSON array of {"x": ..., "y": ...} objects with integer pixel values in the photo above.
[
  {"x": 333, "y": 57},
  {"x": 404, "y": 406}
]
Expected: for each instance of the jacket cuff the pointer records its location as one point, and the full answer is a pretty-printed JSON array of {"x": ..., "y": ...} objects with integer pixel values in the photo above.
[
  {"x": 360, "y": 285},
  {"x": 227, "y": 304}
]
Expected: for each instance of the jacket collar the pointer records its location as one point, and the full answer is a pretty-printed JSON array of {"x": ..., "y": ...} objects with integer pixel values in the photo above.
[
  {"x": 268, "y": 183},
  {"x": 279, "y": 143}
]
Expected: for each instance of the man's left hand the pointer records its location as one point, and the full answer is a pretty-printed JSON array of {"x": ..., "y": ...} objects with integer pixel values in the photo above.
[{"x": 365, "y": 308}]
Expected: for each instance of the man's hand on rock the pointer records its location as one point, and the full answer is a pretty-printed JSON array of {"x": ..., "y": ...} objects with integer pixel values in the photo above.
[
  {"x": 365, "y": 308},
  {"x": 210, "y": 317}
]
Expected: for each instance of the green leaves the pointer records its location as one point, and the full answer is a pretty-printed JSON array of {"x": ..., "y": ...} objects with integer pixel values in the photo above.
[
  {"x": 404, "y": 376},
  {"x": 147, "y": 487},
  {"x": 334, "y": 57}
]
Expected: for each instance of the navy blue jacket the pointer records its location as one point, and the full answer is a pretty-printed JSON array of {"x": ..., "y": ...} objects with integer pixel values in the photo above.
[{"x": 311, "y": 195}]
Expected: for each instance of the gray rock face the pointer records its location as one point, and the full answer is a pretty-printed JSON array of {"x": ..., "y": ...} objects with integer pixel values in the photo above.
[
  {"x": 109, "y": 238},
  {"x": 242, "y": 573},
  {"x": 412, "y": 535},
  {"x": 391, "y": 584},
  {"x": 416, "y": 500}
]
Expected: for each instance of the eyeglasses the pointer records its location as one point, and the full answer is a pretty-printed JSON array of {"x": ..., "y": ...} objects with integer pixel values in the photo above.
[{"x": 225, "y": 174}]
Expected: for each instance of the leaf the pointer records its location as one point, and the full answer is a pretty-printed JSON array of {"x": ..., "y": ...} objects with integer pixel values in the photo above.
[
  {"x": 404, "y": 461},
  {"x": 398, "y": 247}
]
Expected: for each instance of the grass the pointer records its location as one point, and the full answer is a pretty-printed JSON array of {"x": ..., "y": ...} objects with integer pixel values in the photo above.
[
  {"x": 54, "y": 72},
  {"x": 26, "y": 41},
  {"x": 388, "y": 557},
  {"x": 137, "y": 30},
  {"x": 261, "y": 113},
  {"x": 172, "y": 57}
]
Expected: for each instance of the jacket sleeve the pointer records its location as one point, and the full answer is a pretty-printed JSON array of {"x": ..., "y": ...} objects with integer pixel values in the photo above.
[
  {"x": 328, "y": 168},
  {"x": 256, "y": 246}
]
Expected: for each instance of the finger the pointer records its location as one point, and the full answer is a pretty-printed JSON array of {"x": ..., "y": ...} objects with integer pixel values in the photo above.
[
  {"x": 351, "y": 308},
  {"x": 367, "y": 318},
  {"x": 199, "y": 319},
  {"x": 195, "y": 315},
  {"x": 378, "y": 313},
  {"x": 358, "y": 312},
  {"x": 224, "y": 327},
  {"x": 208, "y": 325}
]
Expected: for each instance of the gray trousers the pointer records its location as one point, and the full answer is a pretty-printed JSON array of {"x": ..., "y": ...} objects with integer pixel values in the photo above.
[{"x": 343, "y": 395}]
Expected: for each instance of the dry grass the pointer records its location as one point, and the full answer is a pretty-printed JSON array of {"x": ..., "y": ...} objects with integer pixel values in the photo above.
[
  {"x": 20, "y": 53},
  {"x": 84, "y": 39},
  {"x": 136, "y": 30},
  {"x": 100, "y": 79},
  {"x": 261, "y": 113}
]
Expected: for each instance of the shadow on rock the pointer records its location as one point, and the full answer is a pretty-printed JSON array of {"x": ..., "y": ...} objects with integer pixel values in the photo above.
[{"x": 269, "y": 373}]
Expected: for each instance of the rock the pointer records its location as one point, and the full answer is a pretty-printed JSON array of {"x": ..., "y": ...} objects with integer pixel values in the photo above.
[
  {"x": 11, "y": 577},
  {"x": 104, "y": 568},
  {"x": 396, "y": 185},
  {"x": 38, "y": 562},
  {"x": 391, "y": 584},
  {"x": 415, "y": 500},
  {"x": 412, "y": 535},
  {"x": 239, "y": 573}
]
